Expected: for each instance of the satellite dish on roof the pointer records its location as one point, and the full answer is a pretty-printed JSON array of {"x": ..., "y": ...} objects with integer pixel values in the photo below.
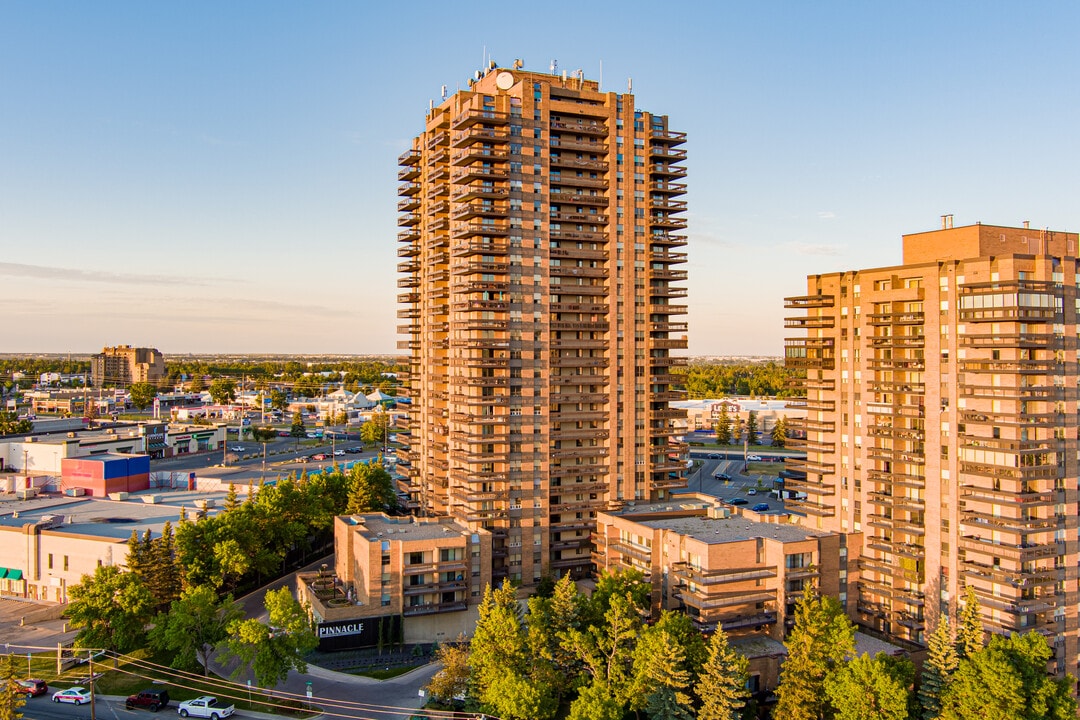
[{"x": 504, "y": 80}]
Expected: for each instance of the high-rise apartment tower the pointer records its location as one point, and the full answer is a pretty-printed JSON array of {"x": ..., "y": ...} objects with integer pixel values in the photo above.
[
  {"x": 123, "y": 365},
  {"x": 541, "y": 226},
  {"x": 941, "y": 399}
]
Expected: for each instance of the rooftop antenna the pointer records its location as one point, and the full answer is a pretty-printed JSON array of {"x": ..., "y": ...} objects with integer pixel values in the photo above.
[
  {"x": 630, "y": 85},
  {"x": 443, "y": 92},
  {"x": 600, "y": 83},
  {"x": 554, "y": 67},
  {"x": 518, "y": 64}
]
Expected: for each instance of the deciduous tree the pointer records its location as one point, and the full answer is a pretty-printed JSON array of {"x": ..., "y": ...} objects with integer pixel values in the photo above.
[
  {"x": 452, "y": 681},
  {"x": 142, "y": 394},
  {"x": 866, "y": 688},
  {"x": 223, "y": 391},
  {"x": 272, "y": 649},
  {"x": 10, "y": 424},
  {"x": 1007, "y": 680},
  {"x": 110, "y": 608},
  {"x": 193, "y": 626}
]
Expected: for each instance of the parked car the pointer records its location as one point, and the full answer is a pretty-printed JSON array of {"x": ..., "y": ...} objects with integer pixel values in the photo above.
[
  {"x": 33, "y": 687},
  {"x": 751, "y": 491},
  {"x": 761, "y": 507},
  {"x": 206, "y": 706},
  {"x": 77, "y": 695},
  {"x": 738, "y": 501},
  {"x": 753, "y": 458},
  {"x": 152, "y": 699}
]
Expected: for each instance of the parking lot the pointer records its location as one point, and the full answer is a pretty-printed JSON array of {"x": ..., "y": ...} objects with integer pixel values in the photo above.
[{"x": 754, "y": 486}]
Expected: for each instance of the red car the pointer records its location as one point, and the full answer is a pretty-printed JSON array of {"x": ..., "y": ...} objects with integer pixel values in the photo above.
[{"x": 33, "y": 687}]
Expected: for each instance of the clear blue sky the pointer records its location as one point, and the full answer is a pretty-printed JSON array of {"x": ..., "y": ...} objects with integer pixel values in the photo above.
[{"x": 221, "y": 176}]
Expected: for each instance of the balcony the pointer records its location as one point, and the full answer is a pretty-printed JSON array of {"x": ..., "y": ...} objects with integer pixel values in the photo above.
[
  {"x": 481, "y": 134},
  {"x": 473, "y": 117},
  {"x": 409, "y": 158},
  {"x": 594, "y": 129},
  {"x": 810, "y": 322},
  {"x": 809, "y": 301},
  {"x": 408, "y": 173}
]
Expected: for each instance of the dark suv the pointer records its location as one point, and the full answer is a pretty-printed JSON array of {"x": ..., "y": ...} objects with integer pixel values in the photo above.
[{"x": 153, "y": 700}]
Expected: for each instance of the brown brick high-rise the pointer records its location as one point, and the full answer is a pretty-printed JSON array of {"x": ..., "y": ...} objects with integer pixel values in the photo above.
[
  {"x": 941, "y": 399},
  {"x": 540, "y": 233}
]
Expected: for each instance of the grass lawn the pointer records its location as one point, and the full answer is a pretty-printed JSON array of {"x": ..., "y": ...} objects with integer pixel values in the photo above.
[
  {"x": 138, "y": 671},
  {"x": 387, "y": 673}
]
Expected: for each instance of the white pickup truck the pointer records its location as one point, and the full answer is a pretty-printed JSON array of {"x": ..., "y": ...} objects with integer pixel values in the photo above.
[{"x": 205, "y": 707}]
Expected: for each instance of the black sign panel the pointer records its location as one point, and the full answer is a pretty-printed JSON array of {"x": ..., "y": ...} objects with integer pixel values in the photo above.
[{"x": 359, "y": 633}]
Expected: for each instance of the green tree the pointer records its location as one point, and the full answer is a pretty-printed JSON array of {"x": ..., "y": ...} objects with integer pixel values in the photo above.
[
  {"x": 606, "y": 648},
  {"x": 612, "y": 584},
  {"x": 223, "y": 391},
  {"x": 278, "y": 400},
  {"x": 142, "y": 394},
  {"x": 723, "y": 427},
  {"x": 721, "y": 687},
  {"x": 752, "y": 427},
  {"x": 452, "y": 680},
  {"x": 196, "y": 384},
  {"x": 374, "y": 430},
  {"x": 165, "y": 580},
  {"x": 866, "y": 688},
  {"x": 596, "y": 702},
  {"x": 298, "y": 430},
  {"x": 779, "y": 432},
  {"x": 110, "y": 608},
  {"x": 547, "y": 618},
  {"x": 271, "y": 649},
  {"x": 660, "y": 675},
  {"x": 193, "y": 627},
  {"x": 371, "y": 489},
  {"x": 969, "y": 631},
  {"x": 938, "y": 670},
  {"x": 820, "y": 640},
  {"x": 10, "y": 424},
  {"x": 1007, "y": 680},
  {"x": 232, "y": 500},
  {"x": 11, "y": 696}
]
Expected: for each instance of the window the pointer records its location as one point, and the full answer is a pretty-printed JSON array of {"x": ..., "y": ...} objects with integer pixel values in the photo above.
[{"x": 416, "y": 558}]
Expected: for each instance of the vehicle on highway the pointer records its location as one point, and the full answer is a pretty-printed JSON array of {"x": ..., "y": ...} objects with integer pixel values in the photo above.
[
  {"x": 738, "y": 501},
  {"x": 753, "y": 458},
  {"x": 713, "y": 456},
  {"x": 237, "y": 448},
  {"x": 751, "y": 491},
  {"x": 353, "y": 450},
  {"x": 152, "y": 699},
  {"x": 722, "y": 476},
  {"x": 206, "y": 706},
  {"x": 339, "y": 453},
  {"x": 319, "y": 456},
  {"x": 760, "y": 507},
  {"x": 303, "y": 459},
  {"x": 32, "y": 687},
  {"x": 77, "y": 695},
  {"x": 284, "y": 433}
]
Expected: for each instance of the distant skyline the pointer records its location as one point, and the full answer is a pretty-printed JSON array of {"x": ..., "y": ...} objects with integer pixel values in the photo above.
[{"x": 220, "y": 177}]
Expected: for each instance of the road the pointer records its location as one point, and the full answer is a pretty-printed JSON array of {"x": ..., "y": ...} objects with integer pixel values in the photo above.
[{"x": 704, "y": 480}]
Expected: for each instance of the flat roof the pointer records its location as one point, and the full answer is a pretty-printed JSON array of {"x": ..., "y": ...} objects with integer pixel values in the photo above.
[
  {"x": 378, "y": 526},
  {"x": 733, "y": 529},
  {"x": 104, "y": 518}
]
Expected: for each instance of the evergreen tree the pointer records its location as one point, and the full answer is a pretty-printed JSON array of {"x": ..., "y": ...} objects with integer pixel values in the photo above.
[
  {"x": 140, "y": 552},
  {"x": 232, "y": 501},
  {"x": 298, "y": 429},
  {"x": 752, "y": 427},
  {"x": 969, "y": 632},
  {"x": 167, "y": 581},
  {"x": 779, "y": 432},
  {"x": 818, "y": 643},
  {"x": 659, "y": 667},
  {"x": 11, "y": 695},
  {"x": 938, "y": 670},
  {"x": 371, "y": 489},
  {"x": 721, "y": 687},
  {"x": 723, "y": 427},
  {"x": 866, "y": 688}
]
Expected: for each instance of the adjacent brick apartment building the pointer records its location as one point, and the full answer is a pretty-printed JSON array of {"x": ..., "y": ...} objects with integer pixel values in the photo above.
[
  {"x": 541, "y": 226},
  {"x": 941, "y": 399},
  {"x": 123, "y": 365}
]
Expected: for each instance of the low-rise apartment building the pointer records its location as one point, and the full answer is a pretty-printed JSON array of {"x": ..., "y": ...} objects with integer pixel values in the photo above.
[
  {"x": 735, "y": 570},
  {"x": 430, "y": 572}
]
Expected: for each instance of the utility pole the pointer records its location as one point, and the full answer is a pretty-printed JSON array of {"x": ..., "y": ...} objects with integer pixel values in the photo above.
[{"x": 93, "y": 706}]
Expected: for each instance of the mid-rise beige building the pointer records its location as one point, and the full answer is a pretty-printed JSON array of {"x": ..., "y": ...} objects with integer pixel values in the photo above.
[
  {"x": 123, "y": 365},
  {"x": 541, "y": 227},
  {"x": 726, "y": 568},
  {"x": 941, "y": 399}
]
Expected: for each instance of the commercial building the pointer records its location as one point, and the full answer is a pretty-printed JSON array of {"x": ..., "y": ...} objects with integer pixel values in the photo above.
[
  {"x": 941, "y": 399},
  {"x": 123, "y": 365},
  {"x": 541, "y": 226},
  {"x": 429, "y": 572}
]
